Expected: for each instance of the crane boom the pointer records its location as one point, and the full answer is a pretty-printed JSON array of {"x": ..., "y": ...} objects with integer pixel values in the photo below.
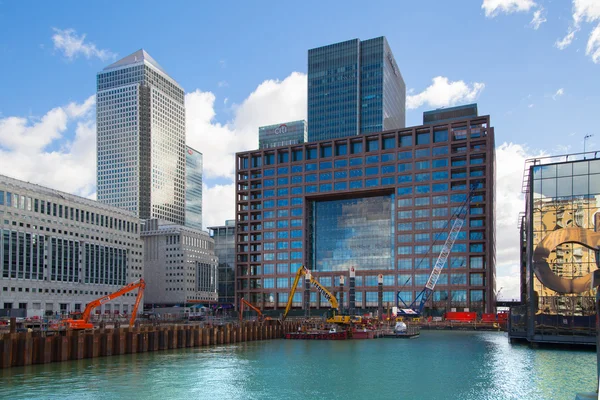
[
  {"x": 324, "y": 292},
  {"x": 424, "y": 295},
  {"x": 441, "y": 261},
  {"x": 84, "y": 323}
]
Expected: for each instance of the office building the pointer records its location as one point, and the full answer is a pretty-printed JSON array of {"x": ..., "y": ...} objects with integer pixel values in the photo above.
[
  {"x": 224, "y": 237},
  {"x": 59, "y": 252},
  {"x": 561, "y": 213},
  {"x": 180, "y": 265},
  {"x": 354, "y": 87},
  {"x": 382, "y": 202},
  {"x": 193, "y": 189},
  {"x": 294, "y": 132},
  {"x": 443, "y": 115},
  {"x": 140, "y": 117}
]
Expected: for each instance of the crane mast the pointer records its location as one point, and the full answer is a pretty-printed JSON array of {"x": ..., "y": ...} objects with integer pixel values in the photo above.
[{"x": 425, "y": 294}]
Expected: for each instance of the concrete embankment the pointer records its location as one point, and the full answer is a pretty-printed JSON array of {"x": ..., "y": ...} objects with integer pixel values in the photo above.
[{"x": 27, "y": 348}]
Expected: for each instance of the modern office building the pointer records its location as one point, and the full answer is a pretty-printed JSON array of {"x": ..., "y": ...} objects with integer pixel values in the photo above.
[
  {"x": 354, "y": 87},
  {"x": 444, "y": 115},
  {"x": 382, "y": 202},
  {"x": 294, "y": 132},
  {"x": 559, "y": 231},
  {"x": 140, "y": 117},
  {"x": 224, "y": 237},
  {"x": 193, "y": 189},
  {"x": 59, "y": 252},
  {"x": 180, "y": 265}
]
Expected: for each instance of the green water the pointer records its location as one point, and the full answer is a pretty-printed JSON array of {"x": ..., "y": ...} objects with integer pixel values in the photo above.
[{"x": 438, "y": 365}]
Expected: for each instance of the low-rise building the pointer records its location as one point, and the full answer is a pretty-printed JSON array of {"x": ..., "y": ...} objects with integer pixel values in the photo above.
[
  {"x": 59, "y": 251},
  {"x": 180, "y": 265}
]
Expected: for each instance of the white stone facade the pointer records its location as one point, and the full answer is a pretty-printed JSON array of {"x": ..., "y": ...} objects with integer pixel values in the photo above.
[
  {"x": 180, "y": 265},
  {"x": 58, "y": 251}
]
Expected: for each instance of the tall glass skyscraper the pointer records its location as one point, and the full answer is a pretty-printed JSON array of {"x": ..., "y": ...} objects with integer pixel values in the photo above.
[
  {"x": 141, "y": 139},
  {"x": 193, "y": 188},
  {"x": 354, "y": 87}
]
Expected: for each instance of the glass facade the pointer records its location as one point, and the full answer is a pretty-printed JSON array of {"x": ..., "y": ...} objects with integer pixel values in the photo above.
[
  {"x": 224, "y": 237},
  {"x": 140, "y": 116},
  {"x": 564, "y": 196},
  {"x": 353, "y": 232},
  {"x": 295, "y": 132},
  {"x": 354, "y": 87},
  {"x": 379, "y": 202},
  {"x": 193, "y": 189}
]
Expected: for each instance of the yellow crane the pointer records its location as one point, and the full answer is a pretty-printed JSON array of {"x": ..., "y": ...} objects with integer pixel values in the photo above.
[{"x": 303, "y": 271}]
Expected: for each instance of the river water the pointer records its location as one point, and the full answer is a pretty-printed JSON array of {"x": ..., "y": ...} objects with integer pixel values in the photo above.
[{"x": 438, "y": 365}]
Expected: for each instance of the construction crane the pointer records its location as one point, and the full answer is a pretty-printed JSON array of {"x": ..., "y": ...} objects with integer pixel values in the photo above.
[
  {"x": 252, "y": 307},
  {"x": 415, "y": 310},
  {"x": 84, "y": 322},
  {"x": 303, "y": 271}
]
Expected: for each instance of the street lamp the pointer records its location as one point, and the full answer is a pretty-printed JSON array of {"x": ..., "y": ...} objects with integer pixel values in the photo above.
[{"x": 585, "y": 138}]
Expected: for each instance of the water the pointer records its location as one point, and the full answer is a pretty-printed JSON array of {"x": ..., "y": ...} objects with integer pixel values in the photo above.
[{"x": 438, "y": 365}]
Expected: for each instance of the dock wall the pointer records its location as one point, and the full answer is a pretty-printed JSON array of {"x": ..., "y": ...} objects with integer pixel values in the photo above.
[{"x": 28, "y": 348}]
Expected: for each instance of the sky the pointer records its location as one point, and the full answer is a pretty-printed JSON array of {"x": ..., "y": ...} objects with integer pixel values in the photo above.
[{"x": 532, "y": 65}]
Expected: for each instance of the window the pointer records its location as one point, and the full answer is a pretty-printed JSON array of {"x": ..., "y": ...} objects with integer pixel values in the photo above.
[
  {"x": 440, "y": 136},
  {"x": 423, "y": 138},
  {"x": 373, "y": 144},
  {"x": 422, "y": 237},
  {"x": 421, "y": 165},
  {"x": 325, "y": 151},
  {"x": 356, "y": 184},
  {"x": 420, "y": 153},
  {"x": 476, "y": 262},
  {"x": 476, "y": 247},
  {"x": 421, "y": 177},
  {"x": 404, "y": 167},
  {"x": 476, "y": 296},
  {"x": 439, "y": 175},
  {"x": 441, "y": 163},
  {"x": 356, "y": 147},
  {"x": 405, "y": 155},
  {"x": 404, "y": 191},
  {"x": 389, "y": 142},
  {"x": 372, "y": 159},
  {"x": 341, "y": 163},
  {"x": 405, "y": 226},
  {"x": 341, "y": 149},
  {"x": 439, "y": 187},
  {"x": 356, "y": 161},
  {"x": 422, "y": 201},
  {"x": 325, "y": 165},
  {"x": 405, "y": 238},
  {"x": 459, "y": 296},
  {"x": 477, "y": 280},
  {"x": 311, "y": 153},
  {"x": 371, "y": 170},
  {"x": 421, "y": 225},
  {"x": 406, "y": 141},
  {"x": 404, "y": 264}
]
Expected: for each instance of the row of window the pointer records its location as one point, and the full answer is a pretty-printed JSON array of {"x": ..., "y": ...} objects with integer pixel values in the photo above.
[
  {"x": 27, "y": 203},
  {"x": 458, "y": 297}
]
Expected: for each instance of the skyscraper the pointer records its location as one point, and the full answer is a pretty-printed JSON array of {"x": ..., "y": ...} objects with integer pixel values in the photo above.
[
  {"x": 141, "y": 139},
  {"x": 193, "y": 189},
  {"x": 354, "y": 87}
]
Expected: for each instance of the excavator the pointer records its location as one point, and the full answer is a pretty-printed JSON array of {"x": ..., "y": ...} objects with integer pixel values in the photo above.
[
  {"x": 243, "y": 302},
  {"x": 84, "y": 322},
  {"x": 334, "y": 318}
]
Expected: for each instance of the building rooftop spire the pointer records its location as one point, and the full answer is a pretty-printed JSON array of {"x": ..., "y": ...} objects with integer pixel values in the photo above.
[{"x": 136, "y": 57}]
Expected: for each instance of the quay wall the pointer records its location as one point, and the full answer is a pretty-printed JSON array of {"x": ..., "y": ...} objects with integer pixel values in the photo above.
[{"x": 29, "y": 348}]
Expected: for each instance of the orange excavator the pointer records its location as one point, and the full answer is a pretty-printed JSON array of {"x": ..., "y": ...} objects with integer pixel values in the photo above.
[
  {"x": 84, "y": 322},
  {"x": 243, "y": 302}
]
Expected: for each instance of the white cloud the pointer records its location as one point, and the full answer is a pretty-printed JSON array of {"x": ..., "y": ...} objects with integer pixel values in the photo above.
[
  {"x": 584, "y": 11},
  {"x": 72, "y": 46},
  {"x": 558, "y": 93},
  {"x": 593, "y": 45},
  {"x": 218, "y": 204},
  {"x": 510, "y": 160},
  {"x": 273, "y": 101},
  {"x": 443, "y": 92},
  {"x": 531, "y": 105},
  {"x": 539, "y": 17},
  {"x": 566, "y": 41},
  {"x": 71, "y": 167},
  {"x": 495, "y": 7}
]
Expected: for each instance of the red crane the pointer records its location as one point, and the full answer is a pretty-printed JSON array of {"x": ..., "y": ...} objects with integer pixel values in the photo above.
[{"x": 84, "y": 323}]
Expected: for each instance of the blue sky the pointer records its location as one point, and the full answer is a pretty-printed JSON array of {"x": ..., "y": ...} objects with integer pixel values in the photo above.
[{"x": 236, "y": 59}]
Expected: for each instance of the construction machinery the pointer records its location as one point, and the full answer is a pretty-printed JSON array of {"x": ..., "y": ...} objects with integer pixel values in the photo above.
[
  {"x": 333, "y": 318},
  {"x": 415, "y": 309},
  {"x": 84, "y": 322},
  {"x": 244, "y": 302}
]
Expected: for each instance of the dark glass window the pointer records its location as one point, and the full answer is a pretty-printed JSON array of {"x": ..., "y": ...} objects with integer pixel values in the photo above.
[
  {"x": 389, "y": 142},
  {"x": 326, "y": 151},
  {"x": 357, "y": 147},
  {"x": 440, "y": 136},
  {"x": 341, "y": 149},
  {"x": 406, "y": 141}
]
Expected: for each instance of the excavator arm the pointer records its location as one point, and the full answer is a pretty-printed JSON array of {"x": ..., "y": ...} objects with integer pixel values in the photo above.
[
  {"x": 293, "y": 292},
  {"x": 244, "y": 302},
  {"x": 84, "y": 323},
  {"x": 324, "y": 292}
]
